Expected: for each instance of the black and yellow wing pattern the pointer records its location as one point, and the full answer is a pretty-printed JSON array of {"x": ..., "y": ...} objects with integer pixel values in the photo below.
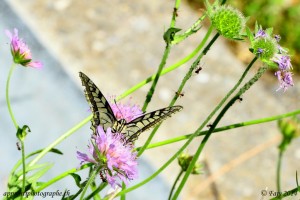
[{"x": 103, "y": 114}]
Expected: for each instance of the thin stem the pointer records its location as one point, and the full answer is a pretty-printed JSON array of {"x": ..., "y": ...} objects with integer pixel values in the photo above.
[
  {"x": 174, "y": 184},
  {"x": 217, "y": 120},
  {"x": 23, "y": 167},
  {"x": 185, "y": 79},
  {"x": 173, "y": 20},
  {"x": 164, "y": 71},
  {"x": 123, "y": 196},
  {"x": 60, "y": 139},
  {"x": 91, "y": 179},
  {"x": 155, "y": 81},
  {"x": 278, "y": 170},
  {"x": 223, "y": 128},
  {"x": 162, "y": 63},
  {"x": 13, "y": 66}
]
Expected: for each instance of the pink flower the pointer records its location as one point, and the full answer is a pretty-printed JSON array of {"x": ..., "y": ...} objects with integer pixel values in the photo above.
[
  {"x": 117, "y": 159},
  {"x": 127, "y": 111},
  {"x": 20, "y": 51}
]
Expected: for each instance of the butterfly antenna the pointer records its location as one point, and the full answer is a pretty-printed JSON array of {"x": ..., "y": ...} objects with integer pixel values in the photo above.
[{"x": 119, "y": 109}]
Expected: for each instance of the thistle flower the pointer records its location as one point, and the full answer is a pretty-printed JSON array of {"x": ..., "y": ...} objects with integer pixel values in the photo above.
[
  {"x": 117, "y": 160},
  {"x": 127, "y": 111},
  {"x": 20, "y": 51}
]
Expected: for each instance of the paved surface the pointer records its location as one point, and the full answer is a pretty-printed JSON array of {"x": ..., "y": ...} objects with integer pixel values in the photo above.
[{"x": 119, "y": 43}]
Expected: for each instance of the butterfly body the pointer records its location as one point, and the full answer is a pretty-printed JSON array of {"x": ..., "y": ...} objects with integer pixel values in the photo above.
[{"x": 104, "y": 116}]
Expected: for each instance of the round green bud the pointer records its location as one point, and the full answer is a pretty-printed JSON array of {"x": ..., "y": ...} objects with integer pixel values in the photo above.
[{"x": 228, "y": 21}]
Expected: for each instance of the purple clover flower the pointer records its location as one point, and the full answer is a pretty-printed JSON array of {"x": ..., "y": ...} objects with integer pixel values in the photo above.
[
  {"x": 20, "y": 51},
  {"x": 283, "y": 61},
  {"x": 285, "y": 79},
  {"x": 117, "y": 158},
  {"x": 260, "y": 33}
]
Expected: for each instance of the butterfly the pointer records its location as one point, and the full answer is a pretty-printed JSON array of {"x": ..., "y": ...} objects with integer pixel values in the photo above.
[{"x": 103, "y": 114}]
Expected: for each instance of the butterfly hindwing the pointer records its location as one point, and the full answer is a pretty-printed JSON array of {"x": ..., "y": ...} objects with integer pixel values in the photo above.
[
  {"x": 102, "y": 112},
  {"x": 135, "y": 127}
]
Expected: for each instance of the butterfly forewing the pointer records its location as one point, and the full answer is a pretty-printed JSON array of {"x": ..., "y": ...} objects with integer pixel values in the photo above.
[
  {"x": 102, "y": 112},
  {"x": 135, "y": 127}
]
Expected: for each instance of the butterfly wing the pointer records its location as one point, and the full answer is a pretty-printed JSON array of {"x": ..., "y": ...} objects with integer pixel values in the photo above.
[
  {"x": 135, "y": 127},
  {"x": 102, "y": 112}
]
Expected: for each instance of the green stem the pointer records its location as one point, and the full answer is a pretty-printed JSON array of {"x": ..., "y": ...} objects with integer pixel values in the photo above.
[
  {"x": 185, "y": 79},
  {"x": 123, "y": 197},
  {"x": 174, "y": 184},
  {"x": 164, "y": 71},
  {"x": 224, "y": 128},
  {"x": 23, "y": 167},
  {"x": 155, "y": 81},
  {"x": 278, "y": 170},
  {"x": 91, "y": 179},
  {"x": 162, "y": 63},
  {"x": 60, "y": 139},
  {"x": 217, "y": 120},
  {"x": 13, "y": 66},
  {"x": 59, "y": 177},
  {"x": 173, "y": 20}
]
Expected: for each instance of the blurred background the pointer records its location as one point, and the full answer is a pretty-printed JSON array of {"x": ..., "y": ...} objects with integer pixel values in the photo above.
[{"x": 118, "y": 44}]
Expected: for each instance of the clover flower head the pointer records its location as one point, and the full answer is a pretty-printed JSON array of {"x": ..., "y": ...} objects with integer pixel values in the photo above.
[
  {"x": 127, "y": 111},
  {"x": 117, "y": 159},
  {"x": 20, "y": 51}
]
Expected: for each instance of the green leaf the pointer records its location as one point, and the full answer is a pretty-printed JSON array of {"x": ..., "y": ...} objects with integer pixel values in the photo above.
[{"x": 77, "y": 179}]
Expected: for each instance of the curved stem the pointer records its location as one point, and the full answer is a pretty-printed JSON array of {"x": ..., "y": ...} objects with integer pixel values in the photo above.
[
  {"x": 61, "y": 138},
  {"x": 174, "y": 184},
  {"x": 13, "y": 66}
]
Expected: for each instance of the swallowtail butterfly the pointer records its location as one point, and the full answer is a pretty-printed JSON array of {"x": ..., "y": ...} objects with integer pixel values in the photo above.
[{"x": 103, "y": 114}]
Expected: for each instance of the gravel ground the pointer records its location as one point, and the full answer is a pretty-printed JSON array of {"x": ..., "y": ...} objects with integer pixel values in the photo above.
[{"x": 119, "y": 43}]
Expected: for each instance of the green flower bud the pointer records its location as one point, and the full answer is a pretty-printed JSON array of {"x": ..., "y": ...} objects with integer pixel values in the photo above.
[
  {"x": 228, "y": 21},
  {"x": 290, "y": 129},
  {"x": 184, "y": 161}
]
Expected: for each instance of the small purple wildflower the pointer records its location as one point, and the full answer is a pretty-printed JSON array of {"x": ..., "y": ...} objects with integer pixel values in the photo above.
[
  {"x": 127, "y": 111},
  {"x": 117, "y": 158},
  {"x": 283, "y": 61},
  {"x": 260, "y": 34},
  {"x": 285, "y": 79},
  {"x": 20, "y": 51}
]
